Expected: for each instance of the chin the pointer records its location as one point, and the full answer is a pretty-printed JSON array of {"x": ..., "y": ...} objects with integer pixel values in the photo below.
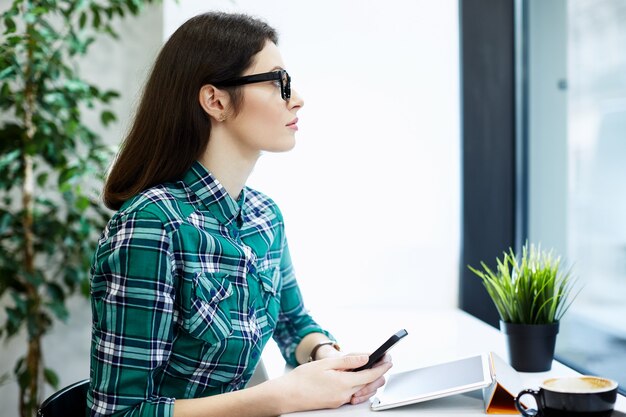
[{"x": 285, "y": 145}]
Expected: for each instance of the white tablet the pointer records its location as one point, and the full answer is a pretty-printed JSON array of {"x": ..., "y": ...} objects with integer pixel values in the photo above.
[{"x": 437, "y": 381}]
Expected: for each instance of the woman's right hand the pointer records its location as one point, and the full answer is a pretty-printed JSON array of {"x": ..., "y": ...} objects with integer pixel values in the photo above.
[{"x": 325, "y": 383}]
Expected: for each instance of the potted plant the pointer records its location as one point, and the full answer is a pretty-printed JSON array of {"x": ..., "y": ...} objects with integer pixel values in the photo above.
[
  {"x": 531, "y": 295},
  {"x": 50, "y": 162}
]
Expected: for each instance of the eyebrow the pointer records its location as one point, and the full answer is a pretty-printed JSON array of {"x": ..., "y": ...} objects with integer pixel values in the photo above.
[{"x": 277, "y": 68}]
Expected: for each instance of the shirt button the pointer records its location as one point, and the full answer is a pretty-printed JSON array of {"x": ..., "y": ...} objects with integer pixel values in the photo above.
[{"x": 255, "y": 354}]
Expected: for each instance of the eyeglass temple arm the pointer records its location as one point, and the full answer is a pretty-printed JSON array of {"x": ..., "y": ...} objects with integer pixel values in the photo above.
[{"x": 249, "y": 79}]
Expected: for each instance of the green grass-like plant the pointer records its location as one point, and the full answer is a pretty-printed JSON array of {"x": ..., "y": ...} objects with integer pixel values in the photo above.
[{"x": 531, "y": 290}]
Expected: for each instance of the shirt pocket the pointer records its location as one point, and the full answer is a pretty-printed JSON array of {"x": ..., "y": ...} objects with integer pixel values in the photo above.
[
  {"x": 270, "y": 281},
  {"x": 97, "y": 290},
  {"x": 209, "y": 315}
]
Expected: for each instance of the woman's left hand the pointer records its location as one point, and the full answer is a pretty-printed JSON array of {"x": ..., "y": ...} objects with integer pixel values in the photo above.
[{"x": 368, "y": 390}]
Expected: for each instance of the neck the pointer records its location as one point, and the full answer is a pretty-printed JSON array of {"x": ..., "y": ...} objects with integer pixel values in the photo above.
[{"x": 230, "y": 164}]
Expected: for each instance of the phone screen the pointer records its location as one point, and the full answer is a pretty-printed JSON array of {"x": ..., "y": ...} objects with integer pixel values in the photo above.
[{"x": 380, "y": 352}]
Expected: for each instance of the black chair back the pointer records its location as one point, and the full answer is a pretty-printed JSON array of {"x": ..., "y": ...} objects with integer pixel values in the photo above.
[{"x": 71, "y": 401}]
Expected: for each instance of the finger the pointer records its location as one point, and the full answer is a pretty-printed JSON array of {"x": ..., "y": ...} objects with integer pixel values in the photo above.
[
  {"x": 370, "y": 375},
  {"x": 344, "y": 362},
  {"x": 359, "y": 400},
  {"x": 370, "y": 389},
  {"x": 384, "y": 359},
  {"x": 367, "y": 392}
]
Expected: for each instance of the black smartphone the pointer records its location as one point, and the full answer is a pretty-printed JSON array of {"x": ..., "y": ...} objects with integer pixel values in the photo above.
[{"x": 380, "y": 352}]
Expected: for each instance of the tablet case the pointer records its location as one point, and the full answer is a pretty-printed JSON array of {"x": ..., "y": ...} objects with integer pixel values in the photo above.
[{"x": 499, "y": 397}]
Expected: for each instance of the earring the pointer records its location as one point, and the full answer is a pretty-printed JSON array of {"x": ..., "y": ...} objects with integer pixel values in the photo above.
[{"x": 221, "y": 118}]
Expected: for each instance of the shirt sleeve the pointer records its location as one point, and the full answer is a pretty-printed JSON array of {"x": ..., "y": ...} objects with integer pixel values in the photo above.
[
  {"x": 294, "y": 321},
  {"x": 132, "y": 302}
]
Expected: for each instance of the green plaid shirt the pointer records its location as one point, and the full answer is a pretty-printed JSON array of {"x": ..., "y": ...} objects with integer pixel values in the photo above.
[{"x": 187, "y": 287}]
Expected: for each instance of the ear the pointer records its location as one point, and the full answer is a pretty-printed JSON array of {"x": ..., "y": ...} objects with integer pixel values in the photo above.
[{"x": 214, "y": 102}]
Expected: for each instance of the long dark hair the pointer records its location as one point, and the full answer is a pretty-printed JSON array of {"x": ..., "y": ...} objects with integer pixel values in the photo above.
[{"x": 171, "y": 130}]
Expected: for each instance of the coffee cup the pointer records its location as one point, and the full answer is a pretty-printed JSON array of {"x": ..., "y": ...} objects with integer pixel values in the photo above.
[{"x": 578, "y": 396}]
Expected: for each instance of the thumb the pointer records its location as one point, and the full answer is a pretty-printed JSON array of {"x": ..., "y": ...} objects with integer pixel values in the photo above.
[{"x": 346, "y": 362}]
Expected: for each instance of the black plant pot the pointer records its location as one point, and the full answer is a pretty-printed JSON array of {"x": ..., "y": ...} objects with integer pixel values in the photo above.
[{"x": 531, "y": 346}]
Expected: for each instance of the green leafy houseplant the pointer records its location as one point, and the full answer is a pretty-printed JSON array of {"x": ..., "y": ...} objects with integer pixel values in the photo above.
[
  {"x": 531, "y": 290},
  {"x": 50, "y": 216},
  {"x": 532, "y": 294}
]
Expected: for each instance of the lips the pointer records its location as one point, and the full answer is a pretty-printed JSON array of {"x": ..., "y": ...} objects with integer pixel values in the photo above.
[{"x": 293, "y": 125}]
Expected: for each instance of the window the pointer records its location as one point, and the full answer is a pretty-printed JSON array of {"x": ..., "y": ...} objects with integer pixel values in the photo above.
[
  {"x": 577, "y": 138},
  {"x": 595, "y": 337}
]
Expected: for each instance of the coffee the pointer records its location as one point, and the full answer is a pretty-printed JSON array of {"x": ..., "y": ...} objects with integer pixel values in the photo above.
[
  {"x": 581, "y": 396},
  {"x": 579, "y": 384}
]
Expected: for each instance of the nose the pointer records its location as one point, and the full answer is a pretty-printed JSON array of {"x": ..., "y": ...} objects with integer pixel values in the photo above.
[{"x": 296, "y": 101}]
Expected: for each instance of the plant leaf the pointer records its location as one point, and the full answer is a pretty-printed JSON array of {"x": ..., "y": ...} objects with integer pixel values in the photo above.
[
  {"x": 530, "y": 288},
  {"x": 51, "y": 378}
]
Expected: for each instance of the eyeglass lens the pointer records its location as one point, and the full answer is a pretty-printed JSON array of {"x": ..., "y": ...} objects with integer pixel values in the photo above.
[{"x": 285, "y": 83}]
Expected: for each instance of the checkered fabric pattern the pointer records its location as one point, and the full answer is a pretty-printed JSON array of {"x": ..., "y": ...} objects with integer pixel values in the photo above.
[{"x": 187, "y": 287}]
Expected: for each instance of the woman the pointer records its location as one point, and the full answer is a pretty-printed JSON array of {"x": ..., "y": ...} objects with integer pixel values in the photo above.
[{"x": 192, "y": 274}]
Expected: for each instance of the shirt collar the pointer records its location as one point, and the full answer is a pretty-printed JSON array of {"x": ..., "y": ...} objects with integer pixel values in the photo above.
[{"x": 213, "y": 194}]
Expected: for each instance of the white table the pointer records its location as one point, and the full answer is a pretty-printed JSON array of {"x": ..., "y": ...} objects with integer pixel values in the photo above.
[{"x": 434, "y": 336}]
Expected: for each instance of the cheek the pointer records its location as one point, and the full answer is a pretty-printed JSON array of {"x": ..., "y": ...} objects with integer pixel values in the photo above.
[
  {"x": 261, "y": 123},
  {"x": 267, "y": 113},
  {"x": 263, "y": 117}
]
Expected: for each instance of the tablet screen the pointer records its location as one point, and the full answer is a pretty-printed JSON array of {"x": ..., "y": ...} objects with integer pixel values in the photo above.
[{"x": 435, "y": 381}]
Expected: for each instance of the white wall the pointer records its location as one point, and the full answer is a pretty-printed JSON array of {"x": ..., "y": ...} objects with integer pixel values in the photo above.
[{"x": 371, "y": 192}]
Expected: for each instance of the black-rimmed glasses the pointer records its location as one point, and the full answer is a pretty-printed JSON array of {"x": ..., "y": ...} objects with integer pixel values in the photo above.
[{"x": 280, "y": 75}]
